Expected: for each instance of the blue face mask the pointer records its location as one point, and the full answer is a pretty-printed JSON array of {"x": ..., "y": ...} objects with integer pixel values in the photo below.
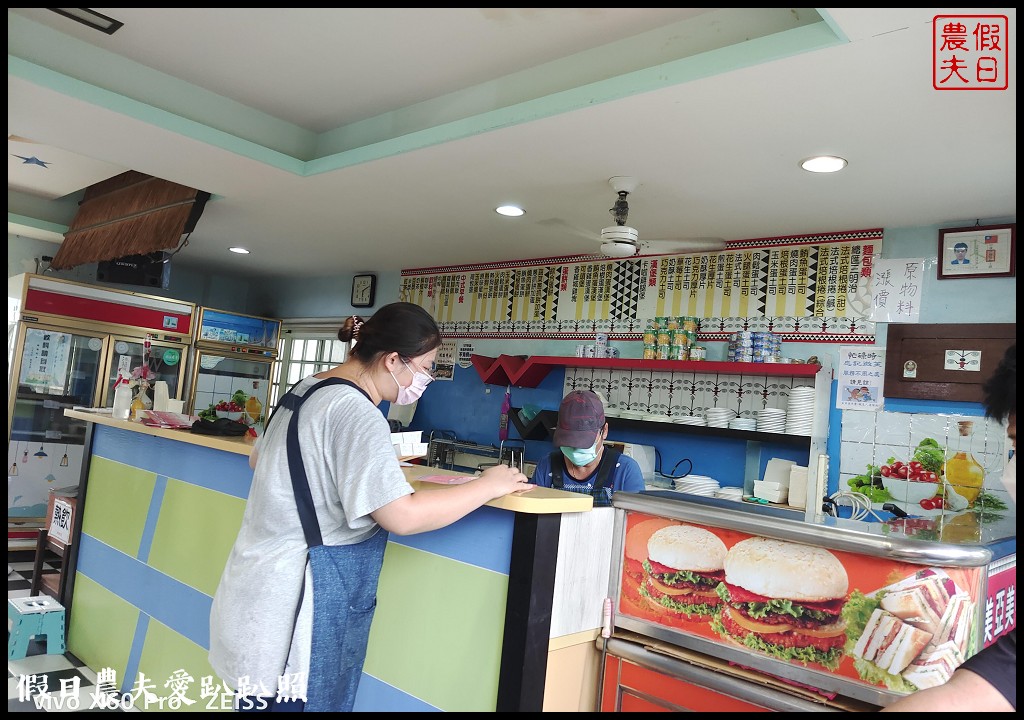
[{"x": 580, "y": 456}]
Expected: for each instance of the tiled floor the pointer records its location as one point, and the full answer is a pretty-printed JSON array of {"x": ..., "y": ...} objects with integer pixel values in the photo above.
[{"x": 57, "y": 673}]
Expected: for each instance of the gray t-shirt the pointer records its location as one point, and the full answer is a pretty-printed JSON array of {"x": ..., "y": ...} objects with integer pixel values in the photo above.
[{"x": 352, "y": 471}]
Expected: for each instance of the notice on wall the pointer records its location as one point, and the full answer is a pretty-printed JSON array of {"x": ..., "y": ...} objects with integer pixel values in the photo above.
[
  {"x": 796, "y": 287},
  {"x": 860, "y": 375},
  {"x": 44, "y": 365},
  {"x": 896, "y": 290},
  {"x": 444, "y": 361}
]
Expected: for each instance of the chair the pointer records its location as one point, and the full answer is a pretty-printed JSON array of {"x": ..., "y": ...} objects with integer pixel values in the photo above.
[{"x": 33, "y": 616}]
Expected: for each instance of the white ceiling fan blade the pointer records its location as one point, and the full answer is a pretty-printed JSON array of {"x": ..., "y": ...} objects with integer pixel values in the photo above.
[
  {"x": 683, "y": 246},
  {"x": 560, "y": 224}
]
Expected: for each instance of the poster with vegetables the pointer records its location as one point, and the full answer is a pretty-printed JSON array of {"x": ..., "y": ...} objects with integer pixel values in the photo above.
[
  {"x": 867, "y": 619},
  {"x": 933, "y": 480}
]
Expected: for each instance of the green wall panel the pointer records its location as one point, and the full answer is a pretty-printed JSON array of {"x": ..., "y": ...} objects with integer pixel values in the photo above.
[
  {"x": 166, "y": 654},
  {"x": 118, "y": 501},
  {"x": 102, "y": 627},
  {"x": 438, "y": 619},
  {"x": 194, "y": 534}
]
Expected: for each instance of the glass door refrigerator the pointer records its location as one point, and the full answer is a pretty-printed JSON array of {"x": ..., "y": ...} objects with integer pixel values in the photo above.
[
  {"x": 233, "y": 362},
  {"x": 64, "y": 348}
]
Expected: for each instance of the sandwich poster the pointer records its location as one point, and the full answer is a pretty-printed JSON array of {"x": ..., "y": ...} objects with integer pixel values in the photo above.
[{"x": 883, "y": 623}]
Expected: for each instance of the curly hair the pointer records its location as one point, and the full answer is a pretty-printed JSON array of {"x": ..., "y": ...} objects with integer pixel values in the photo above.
[{"x": 1000, "y": 390}]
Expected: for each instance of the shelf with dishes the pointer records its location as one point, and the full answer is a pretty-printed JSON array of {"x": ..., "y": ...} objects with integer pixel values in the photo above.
[
  {"x": 530, "y": 371},
  {"x": 709, "y": 431}
]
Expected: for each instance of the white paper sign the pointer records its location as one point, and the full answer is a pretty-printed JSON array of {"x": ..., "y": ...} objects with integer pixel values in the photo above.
[
  {"x": 444, "y": 361},
  {"x": 60, "y": 521},
  {"x": 896, "y": 290},
  {"x": 860, "y": 374}
]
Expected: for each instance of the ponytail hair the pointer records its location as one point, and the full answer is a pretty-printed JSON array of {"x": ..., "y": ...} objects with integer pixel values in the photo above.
[{"x": 400, "y": 327}]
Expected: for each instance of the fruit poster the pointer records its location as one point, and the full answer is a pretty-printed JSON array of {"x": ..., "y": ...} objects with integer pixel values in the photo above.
[{"x": 893, "y": 625}]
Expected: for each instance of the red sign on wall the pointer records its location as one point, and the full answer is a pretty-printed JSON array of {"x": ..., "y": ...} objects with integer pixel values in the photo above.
[{"x": 970, "y": 52}]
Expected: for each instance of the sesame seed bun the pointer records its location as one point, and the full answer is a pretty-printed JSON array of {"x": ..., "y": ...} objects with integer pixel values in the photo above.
[
  {"x": 685, "y": 547},
  {"x": 780, "y": 569}
]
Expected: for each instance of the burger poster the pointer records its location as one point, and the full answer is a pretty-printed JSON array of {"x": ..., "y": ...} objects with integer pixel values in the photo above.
[{"x": 878, "y": 622}]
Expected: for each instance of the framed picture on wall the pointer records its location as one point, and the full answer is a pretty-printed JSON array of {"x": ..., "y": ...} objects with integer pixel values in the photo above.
[{"x": 980, "y": 251}]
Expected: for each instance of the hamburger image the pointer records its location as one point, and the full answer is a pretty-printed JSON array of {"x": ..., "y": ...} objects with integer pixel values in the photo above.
[
  {"x": 634, "y": 555},
  {"x": 784, "y": 599},
  {"x": 682, "y": 570}
]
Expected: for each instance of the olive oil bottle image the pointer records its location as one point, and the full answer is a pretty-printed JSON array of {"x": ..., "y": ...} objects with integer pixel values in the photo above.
[{"x": 962, "y": 469}]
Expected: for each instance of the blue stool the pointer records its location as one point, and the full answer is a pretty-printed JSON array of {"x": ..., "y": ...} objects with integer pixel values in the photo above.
[{"x": 32, "y": 616}]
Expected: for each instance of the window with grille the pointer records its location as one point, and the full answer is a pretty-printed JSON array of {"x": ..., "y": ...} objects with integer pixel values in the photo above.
[{"x": 304, "y": 351}]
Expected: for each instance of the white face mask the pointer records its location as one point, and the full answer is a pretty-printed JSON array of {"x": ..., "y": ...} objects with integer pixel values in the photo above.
[{"x": 409, "y": 395}]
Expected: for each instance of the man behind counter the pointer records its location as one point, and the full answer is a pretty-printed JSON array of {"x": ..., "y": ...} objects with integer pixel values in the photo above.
[{"x": 582, "y": 463}]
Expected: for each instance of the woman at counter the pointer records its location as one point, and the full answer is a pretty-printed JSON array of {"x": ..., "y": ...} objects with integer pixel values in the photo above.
[{"x": 291, "y": 616}]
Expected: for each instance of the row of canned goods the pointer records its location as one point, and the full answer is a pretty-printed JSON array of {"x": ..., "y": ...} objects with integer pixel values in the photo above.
[
  {"x": 664, "y": 336},
  {"x": 674, "y": 352},
  {"x": 754, "y": 347}
]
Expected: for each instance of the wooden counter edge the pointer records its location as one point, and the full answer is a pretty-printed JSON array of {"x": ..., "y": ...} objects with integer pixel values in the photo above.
[
  {"x": 538, "y": 501},
  {"x": 240, "y": 445}
]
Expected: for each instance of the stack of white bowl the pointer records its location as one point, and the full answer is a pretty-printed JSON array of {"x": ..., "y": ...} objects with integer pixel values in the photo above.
[
  {"x": 771, "y": 420},
  {"x": 719, "y": 417},
  {"x": 800, "y": 412},
  {"x": 743, "y": 423},
  {"x": 697, "y": 485},
  {"x": 689, "y": 420},
  {"x": 730, "y": 493}
]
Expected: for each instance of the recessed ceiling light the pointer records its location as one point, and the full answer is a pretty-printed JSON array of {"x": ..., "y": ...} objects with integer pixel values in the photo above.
[
  {"x": 95, "y": 20},
  {"x": 823, "y": 163},
  {"x": 509, "y": 210},
  {"x": 239, "y": 250}
]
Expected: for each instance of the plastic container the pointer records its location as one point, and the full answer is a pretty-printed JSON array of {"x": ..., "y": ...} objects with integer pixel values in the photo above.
[{"x": 122, "y": 399}]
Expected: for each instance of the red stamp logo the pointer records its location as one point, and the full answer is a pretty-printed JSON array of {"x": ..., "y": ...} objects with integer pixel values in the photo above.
[{"x": 970, "y": 52}]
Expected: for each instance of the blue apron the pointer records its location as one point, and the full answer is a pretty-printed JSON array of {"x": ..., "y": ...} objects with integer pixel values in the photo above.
[{"x": 344, "y": 587}]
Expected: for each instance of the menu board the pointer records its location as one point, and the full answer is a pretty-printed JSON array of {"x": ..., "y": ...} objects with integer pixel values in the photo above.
[
  {"x": 869, "y": 620},
  {"x": 797, "y": 287}
]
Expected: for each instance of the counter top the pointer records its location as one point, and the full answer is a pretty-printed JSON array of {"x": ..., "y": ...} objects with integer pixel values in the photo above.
[
  {"x": 241, "y": 445},
  {"x": 952, "y": 541},
  {"x": 537, "y": 501}
]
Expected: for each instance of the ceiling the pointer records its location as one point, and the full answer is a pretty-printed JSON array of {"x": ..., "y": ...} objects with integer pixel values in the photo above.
[{"x": 348, "y": 140}]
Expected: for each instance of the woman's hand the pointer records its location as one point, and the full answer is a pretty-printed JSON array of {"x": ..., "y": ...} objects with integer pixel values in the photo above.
[{"x": 503, "y": 480}]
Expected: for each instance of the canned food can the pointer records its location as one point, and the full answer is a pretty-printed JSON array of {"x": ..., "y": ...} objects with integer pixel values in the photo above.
[
  {"x": 651, "y": 335},
  {"x": 678, "y": 352},
  {"x": 698, "y": 352},
  {"x": 689, "y": 323},
  {"x": 663, "y": 350},
  {"x": 650, "y": 351},
  {"x": 664, "y": 337}
]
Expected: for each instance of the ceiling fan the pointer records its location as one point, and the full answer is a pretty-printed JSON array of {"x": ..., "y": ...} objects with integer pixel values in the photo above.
[{"x": 620, "y": 240}]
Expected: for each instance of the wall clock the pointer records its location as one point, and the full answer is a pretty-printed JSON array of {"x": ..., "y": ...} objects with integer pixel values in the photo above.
[{"x": 364, "y": 290}]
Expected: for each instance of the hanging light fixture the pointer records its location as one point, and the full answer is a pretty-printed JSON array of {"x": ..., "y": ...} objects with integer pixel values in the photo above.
[
  {"x": 40, "y": 453},
  {"x": 64, "y": 460},
  {"x": 24, "y": 457},
  {"x": 14, "y": 469}
]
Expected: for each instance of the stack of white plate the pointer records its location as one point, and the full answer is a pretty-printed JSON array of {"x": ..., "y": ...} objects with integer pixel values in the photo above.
[
  {"x": 689, "y": 420},
  {"x": 697, "y": 485},
  {"x": 719, "y": 417},
  {"x": 632, "y": 414},
  {"x": 772, "y": 420},
  {"x": 800, "y": 412},
  {"x": 743, "y": 423},
  {"x": 730, "y": 493}
]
